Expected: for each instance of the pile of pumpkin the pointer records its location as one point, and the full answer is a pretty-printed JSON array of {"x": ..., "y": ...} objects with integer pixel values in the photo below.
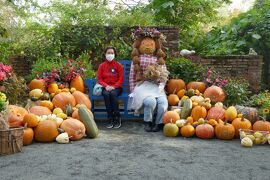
[
  {"x": 199, "y": 110},
  {"x": 55, "y": 113}
]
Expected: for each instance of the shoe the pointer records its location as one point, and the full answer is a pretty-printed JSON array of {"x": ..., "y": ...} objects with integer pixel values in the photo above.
[
  {"x": 148, "y": 127},
  {"x": 157, "y": 127},
  {"x": 118, "y": 121},
  {"x": 110, "y": 123}
]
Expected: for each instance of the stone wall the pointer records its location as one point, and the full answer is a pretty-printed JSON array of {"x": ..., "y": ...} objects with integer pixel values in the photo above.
[{"x": 236, "y": 66}]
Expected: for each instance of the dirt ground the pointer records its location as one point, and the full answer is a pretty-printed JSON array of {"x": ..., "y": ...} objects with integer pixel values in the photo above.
[{"x": 131, "y": 153}]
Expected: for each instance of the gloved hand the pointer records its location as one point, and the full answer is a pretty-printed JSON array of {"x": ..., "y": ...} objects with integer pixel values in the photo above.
[
  {"x": 131, "y": 95},
  {"x": 161, "y": 87},
  {"x": 109, "y": 88}
]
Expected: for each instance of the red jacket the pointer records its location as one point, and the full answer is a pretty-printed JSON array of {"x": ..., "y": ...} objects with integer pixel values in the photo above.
[{"x": 110, "y": 73}]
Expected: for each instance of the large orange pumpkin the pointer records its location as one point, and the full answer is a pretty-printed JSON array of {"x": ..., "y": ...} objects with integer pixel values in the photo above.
[
  {"x": 215, "y": 93},
  {"x": 46, "y": 131},
  {"x": 205, "y": 131},
  {"x": 28, "y": 135},
  {"x": 31, "y": 120},
  {"x": 40, "y": 110},
  {"x": 216, "y": 113},
  {"x": 225, "y": 131},
  {"x": 241, "y": 123},
  {"x": 74, "y": 128},
  {"x": 16, "y": 115},
  {"x": 77, "y": 83},
  {"x": 187, "y": 131},
  {"x": 173, "y": 100},
  {"x": 175, "y": 85},
  {"x": 63, "y": 99},
  {"x": 170, "y": 117},
  {"x": 82, "y": 98},
  {"x": 197, "y": 85},
  {"x": 37, "y": 84},
  {"x": 261, "y": 125},
  {"x": 198, "y": 112}
]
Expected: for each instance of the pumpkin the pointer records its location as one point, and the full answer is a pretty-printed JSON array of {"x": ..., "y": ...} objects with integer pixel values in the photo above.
[
  {"x": 197, "y": 85},
  {"x": 220, "y": 104},
  {"x": 31, "y": 120},
  {"x": 205, "y": 131},
  {"x": 230, "y": 113},
  {"x": 82, "y": 98},
  {"x": 216, "y": 113},
  {"x": 77, "y": 83},
  {"x": 52, "y": 88},
  {"x": 63, "y": 99},
  {"x": 190, "y": 120},
  {"x": 47, "y": 104},
  {"x": 16, "y": 115},
  {"x": 170, "y": 116},
  {"x": 37, "y": 84},
  {"x": 248, "y": 112},
  {"x": 74, "y": 128},
  {"x": 46, "y": 131},
  {"x": 170, "y": 130},
  {"x": 215, "y": 93},
  {"x": 62, "y": 138},
  {"x": 186, "y": 108},
  {"x": 187, "y": 130},
  {"x": 241, "y": 123},
  {"x": 87, "y": 117},
  {"x": 175, "y": 85},
  {"x": 181, "y": 93},
  {"x": 28, "y": 135},
  {"x": 75, "y": 114},
  {"x": 198, "y": 99},
  {"x": 35, "y": 94},
  {"x": 40, "y": 110},
  {"x": 225, "y": 131},
  {"x": 173, "y": 100},
  {"x": 198, "y": 112},
  {"x": 261, "y": 125}
]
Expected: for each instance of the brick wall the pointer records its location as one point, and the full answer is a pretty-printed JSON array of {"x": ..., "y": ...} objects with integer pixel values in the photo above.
[
  {"x": 236, "y": 66},
  {"x": 21, "y": 65}
]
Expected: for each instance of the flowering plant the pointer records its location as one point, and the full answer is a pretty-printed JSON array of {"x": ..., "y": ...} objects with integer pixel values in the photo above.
[
  {"x": 5, "y": 72},
  {"x": 212, "y": 77},
  {"x": 262, "y": 102},
  {"x": 146, "y": 32},
  {"x": 3, "y": 101}
]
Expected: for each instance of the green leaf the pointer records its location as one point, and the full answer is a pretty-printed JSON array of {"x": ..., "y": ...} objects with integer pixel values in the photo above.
[{"x": 256, "y": 36}]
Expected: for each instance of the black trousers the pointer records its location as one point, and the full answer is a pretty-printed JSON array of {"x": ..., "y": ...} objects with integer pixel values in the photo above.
[{"x": 111, "y": 101}]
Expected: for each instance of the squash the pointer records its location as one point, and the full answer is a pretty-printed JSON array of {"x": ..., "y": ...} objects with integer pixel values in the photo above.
[
  {"x": 46, "y": 131},
  {"x": 47, "y": 104},
  {"x": 205, "y": 131},
  {"x": 31, "y": 120},
  {"x": 77, "y": 83},
  {"x": 230, "y": 113},
  {"x": 35, "y": 94},
  {"x": 197, "y": 85},
  {"x": 170, "y": 130},
  {"x": 212, "y": 122},
  {"x": 180, "y": 123},
  {"x": 63, "y": 99},
  {"x": 261, "y": 125},
  {"x": 216, "y": 113},
  {"x": 198, "y": 112},
  {"x": 40, "y": 110},
  {"x": 170, "y": 117},
  {"x": 16, "y": 115},
  {"x": 87, "y": 118},
  {"x": 74, "y": 128},
  {"x": 52, "y": 88},
  {"x": 186, "y": 108},
  {"x": 248, "y": 112},
  {"x": 37, "y": 84},
  {"x": 175, "y": 85},
  {"x": 241, "y": 123},
  {"x": 246, "y": 142},
  {"x": 181, "y": 93},
  {"x": 62, "y": 138},
  {"x": 173, "y": 100},
  {"x": 225, "y": 131},
  {"x": 82, "y": 98},
  {"x": 28, "y": 135},
  {"x": 215, "y": 93},
  {"x": 187, "y": 131}
]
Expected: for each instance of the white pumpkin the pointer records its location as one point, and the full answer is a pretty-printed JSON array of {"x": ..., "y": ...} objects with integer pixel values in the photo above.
[{"x": 62, "y": 138}]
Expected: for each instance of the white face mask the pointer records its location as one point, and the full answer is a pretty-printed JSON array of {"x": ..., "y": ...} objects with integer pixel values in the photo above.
[{"x": 109, "y": 57}]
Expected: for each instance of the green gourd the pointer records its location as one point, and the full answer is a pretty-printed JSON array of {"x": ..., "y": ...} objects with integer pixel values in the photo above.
[{"x": 87, "y": 118}]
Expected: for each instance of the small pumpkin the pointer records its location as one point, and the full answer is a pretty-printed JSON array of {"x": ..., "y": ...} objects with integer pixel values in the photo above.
[
  {"x": 230, "y": 113},
  {"x": 46, "y": 131},
  {"x": 37, "y": 84},
  {"x": 216, "y": 113},
  {"x": 181, "y": 93},
  {"x": 75, "y": 114},
  {"x": 198, "y": 112},
  {"x": 241, "y": 123},
  {"x": 175, "y": 85},
  {"x": 197, "y": 85},
  {"x": 170, "y": 116},
  {"x": 31, "y": 120},
  {"x": 187, "y": 130},
  {"x": 40, "y": 110},
  {"x": 82, "y": 98},
  {"x": 212, "y": 122},
  {"x": 225, "y": 131},
  {"x": 52, "y": 88},
  {"x": 77, "y": 83},
  {"x": 74, "y": 128},
  {"x": 173, "y": 100},
  {"x": 205, "y": 131},
  {"x": 28, "y": 136},
  {"x": 63, "y": 99},
  {"x": 35, "y": 94},
  {"x": 170, "y": 130},
  {"x": 215, "y": 93},
  {"x": 261, "y": 125}
]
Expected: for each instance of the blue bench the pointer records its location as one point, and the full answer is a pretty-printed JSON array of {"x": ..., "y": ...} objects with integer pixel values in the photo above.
[{"x": 100, "y": 111}]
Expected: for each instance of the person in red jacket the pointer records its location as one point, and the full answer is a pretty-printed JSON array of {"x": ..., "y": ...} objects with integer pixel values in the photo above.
[{"x": 111, "y": 76}]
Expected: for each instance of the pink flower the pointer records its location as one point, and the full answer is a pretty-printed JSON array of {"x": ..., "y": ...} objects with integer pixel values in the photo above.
[
  {"x": 7, "y": 68},
  {"x": 2, "y": 76}
]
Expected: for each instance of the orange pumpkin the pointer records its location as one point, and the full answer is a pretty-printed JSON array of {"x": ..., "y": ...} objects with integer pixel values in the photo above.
[
  {"x": 181, "y": 93},
  {"x": 170, "y": 116},
  {"x": 28, "y": 135},
  {"x": 77, "y": 83},
  {"x": 205, "y": 131},
  {"x": 190, "y": 120},
  {"x": 241, "y": 123},
  {"x": 46, "y": 131},
  {"x": 197, "y": 85},
  {"x": 52, "y": 88},
  {"x": 63, "y": 99},
  {"x": 37, "y": 84},
  {"x": 216, "y": 113},
  {"x": 74, "y": 128},
  {"x": 215, "y": 93},
  {"x": 225, "y": 131},
  {"x": 261, "y": 125},
  {"x": 175, "y": 85},
  {"x": 173, "y": 100},
  {"x": 198, "y": 112},
  {"x": 40, "y": 110},
  {"x": 75, "y": 114},
  {"x": 82, "y": 98},
  {"x": 187, "y": 130},
  {"x": 31, "y": 120},
  {"x": 16, "y": 115}
]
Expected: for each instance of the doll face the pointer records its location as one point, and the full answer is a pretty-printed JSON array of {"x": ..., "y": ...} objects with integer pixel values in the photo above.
[{"x": 147, "y": 46}]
